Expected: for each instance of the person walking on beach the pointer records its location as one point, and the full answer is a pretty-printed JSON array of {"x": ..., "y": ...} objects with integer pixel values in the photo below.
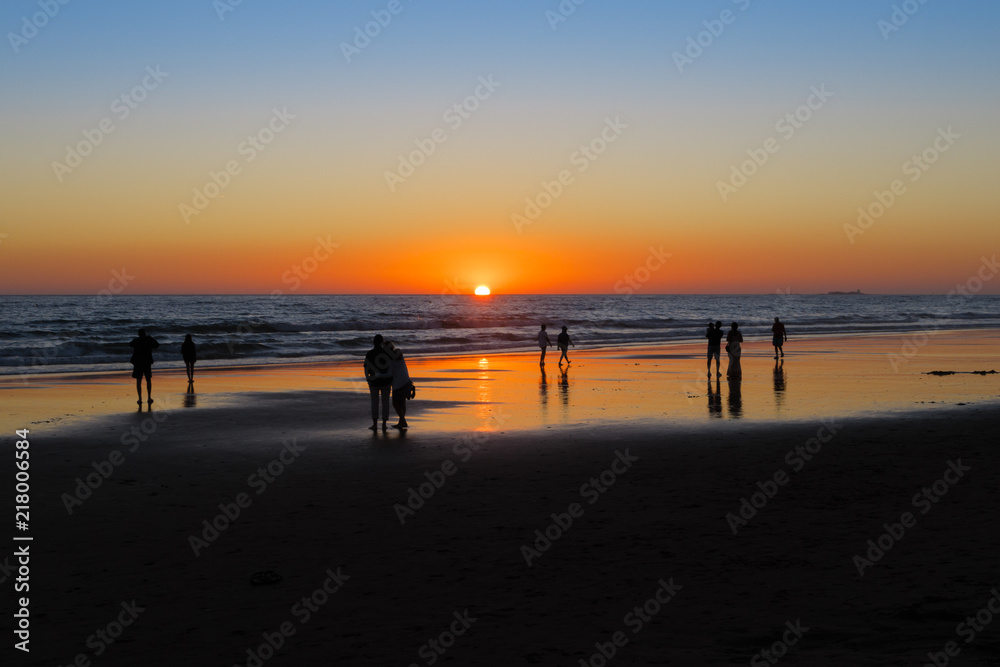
[
  {"x": 142, "y": 363},
  {"x": 402, "y": 386},
  {"x": 563, "y": 342},
  {"x": 735, "y": 349},
  {"x": 543, "y": 342},
  {"x": 714, "y": 336},
  {"x": 779, "y": 337},
  {"x": 378, "y": 373},
  {"x": 190, "y": 356}
]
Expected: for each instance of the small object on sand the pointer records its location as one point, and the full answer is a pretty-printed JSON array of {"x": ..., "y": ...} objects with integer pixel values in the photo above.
[
  {"x": 265, "y": 577},
  {"x": 962, "y": 372}
]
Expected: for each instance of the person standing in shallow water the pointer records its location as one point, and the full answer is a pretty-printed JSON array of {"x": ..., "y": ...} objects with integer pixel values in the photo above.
[
  {"x": 563, "y": 342},
  {"x": 378, "y": 372},
  {"x": 190, "y": 356},
  {"x": 735, "y": 349},
  {"x": 142, "y": 363},
  {"x": 544, "y": 343},
  {"x": 779, "y": 337},
  {"x": 714, "y": 336}
]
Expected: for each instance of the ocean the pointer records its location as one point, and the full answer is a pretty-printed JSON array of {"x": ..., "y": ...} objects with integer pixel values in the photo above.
[{"x": 46, "y": 334}]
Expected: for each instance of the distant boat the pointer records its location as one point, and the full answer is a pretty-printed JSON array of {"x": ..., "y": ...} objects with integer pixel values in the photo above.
[{"x": 841, "y": 293}]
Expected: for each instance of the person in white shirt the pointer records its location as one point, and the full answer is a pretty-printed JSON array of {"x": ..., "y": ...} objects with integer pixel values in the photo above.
[{"x": 402, "y": 386}]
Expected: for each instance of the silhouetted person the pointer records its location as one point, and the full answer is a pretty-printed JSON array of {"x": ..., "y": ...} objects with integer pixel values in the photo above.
[
  {"x": 735, "y": 349},
  {"x": 714, "y": 336},
  {"x": 543, "y": 342},
  {"x": 142, "y": 363},
  {"x": 779, "y": 337},
  {"x": 378, "y": 372},
  {"x": 402, "y": 386},
  {"x": 190, "y": 356},
  {"x": 563, "y": 342}
]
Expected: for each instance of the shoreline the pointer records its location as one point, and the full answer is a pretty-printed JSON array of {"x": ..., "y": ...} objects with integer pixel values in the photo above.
[
  {"x": 684, "y": 343},
  {"x": 818, "y": 376},
  {"x": 273, "y": 469}
]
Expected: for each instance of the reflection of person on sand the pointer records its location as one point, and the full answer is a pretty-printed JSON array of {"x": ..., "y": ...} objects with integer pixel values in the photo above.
[
  {"x": 190, "y": 356},
  {"x": 564, "y": 384},
  {"x": 779, "y": 337},
  {"x": 543, "y": 342},
  {"x": 714, "y": 336},
  {"x": 735, "y": 398},
  {"x": 735, "y": 350},
  {"x": 543, "y": 388},
  {"x": 378, "y": 372},
  {"x": 779, "y": 382},
  {"x": 142, "y": 363},
  {"x": 714, "y": 399},
  {"x": 563, "y": 342},
  {"x": 402, "y": 386}
]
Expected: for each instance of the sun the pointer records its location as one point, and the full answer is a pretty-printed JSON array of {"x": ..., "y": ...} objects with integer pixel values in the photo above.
[{"x": 482, "y": 290}]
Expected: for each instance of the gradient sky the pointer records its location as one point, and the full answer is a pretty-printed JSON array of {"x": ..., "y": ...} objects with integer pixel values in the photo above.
[{"x": 449, "y": 226}]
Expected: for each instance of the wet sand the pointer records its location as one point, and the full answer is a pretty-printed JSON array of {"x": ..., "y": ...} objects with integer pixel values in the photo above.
[{"x": 630, "y": 448}]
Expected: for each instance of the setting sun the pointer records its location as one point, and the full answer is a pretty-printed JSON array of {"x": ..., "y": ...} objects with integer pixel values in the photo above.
[{"x": 482, "y": 290}]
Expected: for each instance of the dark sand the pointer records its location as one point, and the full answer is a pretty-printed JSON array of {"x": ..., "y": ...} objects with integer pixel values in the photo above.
[{"x": 663, "y": 518}]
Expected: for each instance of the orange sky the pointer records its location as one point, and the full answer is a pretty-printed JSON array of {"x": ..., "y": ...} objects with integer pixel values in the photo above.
[{"x": 660, "y": 143}]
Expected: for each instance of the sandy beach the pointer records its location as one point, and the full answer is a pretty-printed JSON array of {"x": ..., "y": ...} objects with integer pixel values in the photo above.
[{"x": 835, "y": 510}]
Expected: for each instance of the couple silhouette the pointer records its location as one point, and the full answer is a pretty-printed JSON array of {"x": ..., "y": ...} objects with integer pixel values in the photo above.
[
  {"x": 562, "y": 341},
  {"x": 385, "y": 371},
  {"x": 734, "y": 348}
]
